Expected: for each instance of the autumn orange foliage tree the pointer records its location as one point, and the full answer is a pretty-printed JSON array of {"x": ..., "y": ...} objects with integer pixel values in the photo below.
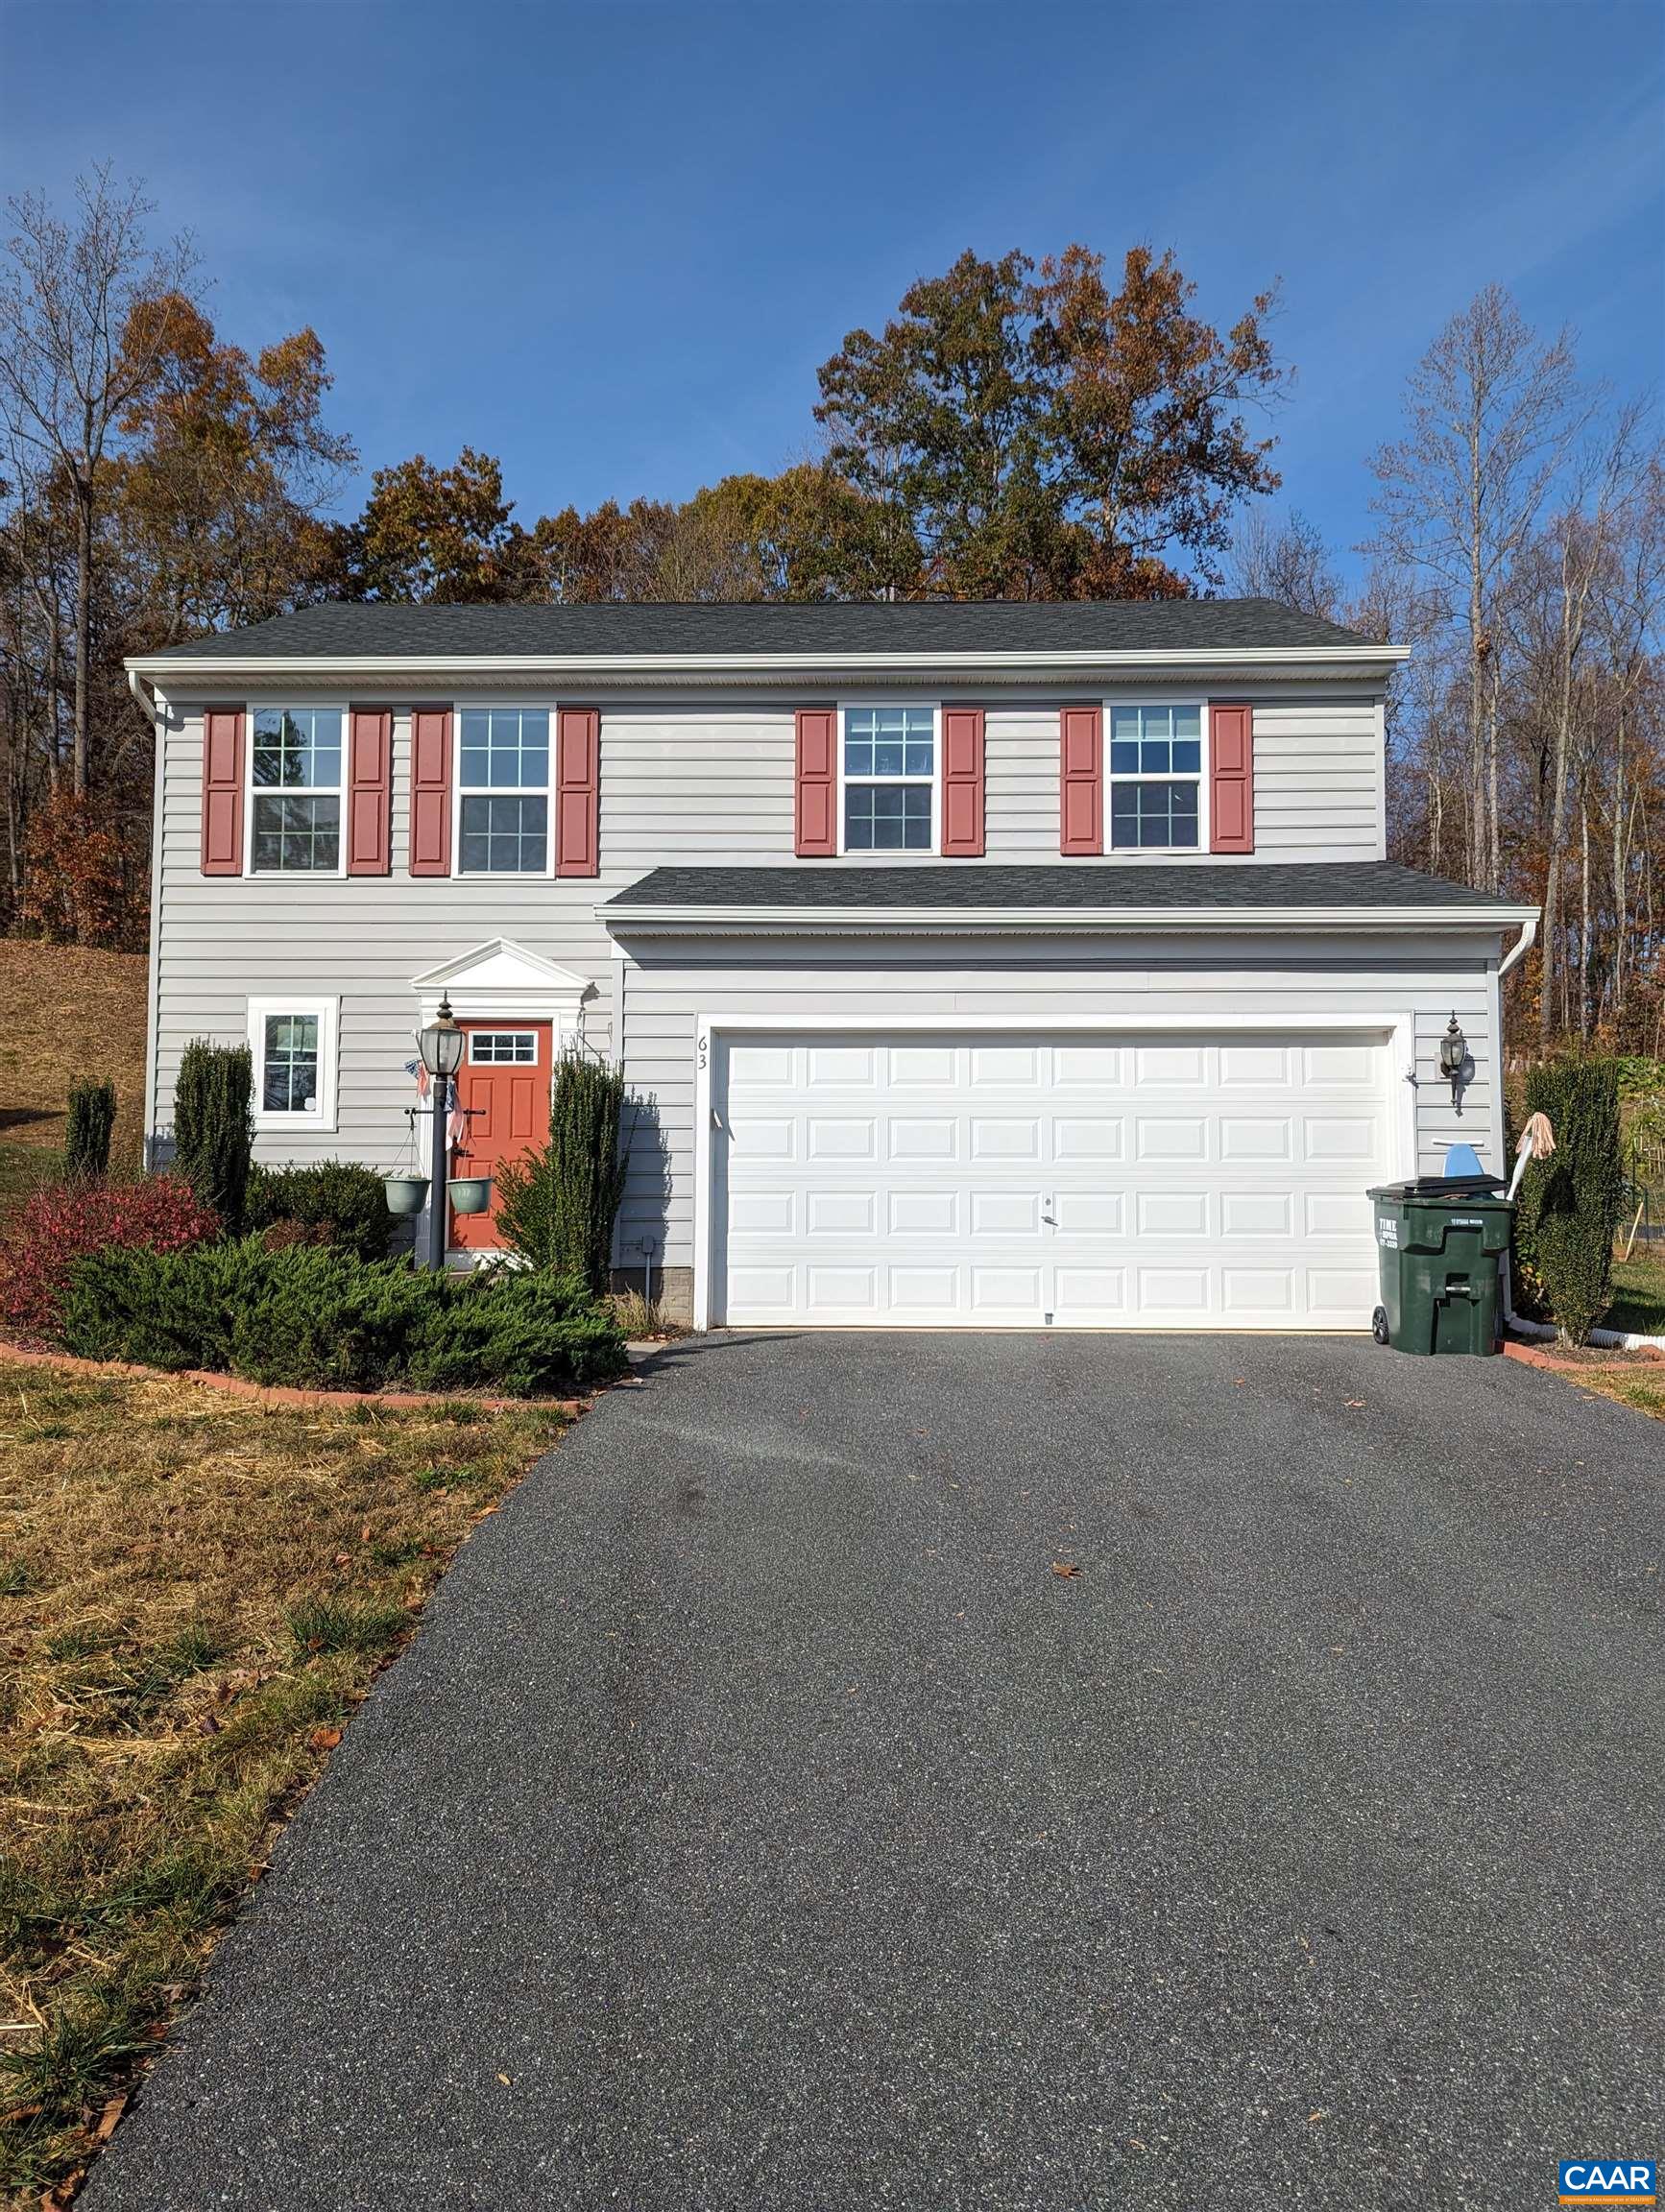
[
  {"x": 155, "y": 482},
  {"x": 75, "y": 887}
]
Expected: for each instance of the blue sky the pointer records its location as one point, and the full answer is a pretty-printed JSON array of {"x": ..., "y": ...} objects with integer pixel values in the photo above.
[{"x": 612, "y": 243}]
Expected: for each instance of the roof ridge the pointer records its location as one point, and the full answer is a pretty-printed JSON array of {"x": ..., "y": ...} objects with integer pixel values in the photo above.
[{"x": 667, "y": 627}]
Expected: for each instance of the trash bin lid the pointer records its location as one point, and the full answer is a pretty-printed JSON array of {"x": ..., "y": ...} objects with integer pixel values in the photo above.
[{"x": 1438, "y": 1189}]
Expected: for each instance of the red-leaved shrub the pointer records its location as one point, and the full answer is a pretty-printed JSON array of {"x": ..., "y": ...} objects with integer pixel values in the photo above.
[{"x": 59, "y": 1226}]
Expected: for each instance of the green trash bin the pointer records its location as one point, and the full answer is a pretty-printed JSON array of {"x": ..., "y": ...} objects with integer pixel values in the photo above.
[{"x": 1440, "y": 1240}]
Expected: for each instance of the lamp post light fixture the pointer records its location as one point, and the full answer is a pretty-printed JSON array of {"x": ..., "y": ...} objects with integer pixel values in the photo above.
[
  {"x": 1452, "y": 1059},
  {"x": 440, "y": 1045}
]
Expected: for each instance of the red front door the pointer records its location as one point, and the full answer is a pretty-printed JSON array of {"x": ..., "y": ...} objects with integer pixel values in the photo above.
[{"x": 505, "y": 1080}]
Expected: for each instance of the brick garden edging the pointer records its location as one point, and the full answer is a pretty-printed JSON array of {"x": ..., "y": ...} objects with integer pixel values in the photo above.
[
  {"x": 1541, "y": 1355},
  {"x": 276, "y": 1393}
]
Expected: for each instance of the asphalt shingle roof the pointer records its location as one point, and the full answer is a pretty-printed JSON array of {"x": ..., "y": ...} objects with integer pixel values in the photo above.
[
  {"x": 927, "y": 626},
  {"x": 1085, "y": 885}
]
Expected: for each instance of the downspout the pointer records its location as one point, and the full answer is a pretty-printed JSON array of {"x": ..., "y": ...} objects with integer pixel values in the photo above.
[
  {"x": 146, "y": 699},
  {"x": 1519, "y": 950},
  {"x": 1515, "y": 954}
]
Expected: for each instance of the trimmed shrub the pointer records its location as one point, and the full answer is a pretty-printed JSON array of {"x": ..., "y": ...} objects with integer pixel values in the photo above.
[
  {"x": 87, "y": 1133},
  {"x": 556, "y": 1207},
  {"x": 214, "y": 1126},
  {"x": 499, "y": 1337},
  {"x": 337, "y": 1197},
  {"x": 1571, "y": 1204},
  {"x": 319, "y": 1319},
  {"x": 57, "y": 1229}
]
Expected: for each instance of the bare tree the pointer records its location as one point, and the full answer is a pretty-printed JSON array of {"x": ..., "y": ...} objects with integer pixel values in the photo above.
[
  {"x": 1581, "y": 540},
  {"x": 1491, "y": 410},
  {"x": 1287, "y": 561},
  {"x": 68, "y": 366},
  {"x": 1630, "y": 612}
]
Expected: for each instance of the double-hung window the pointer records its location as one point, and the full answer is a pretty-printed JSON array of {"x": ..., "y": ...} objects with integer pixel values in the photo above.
[
  {"x": 503, "y": 791},
  {"x": 1155, "y": 778},
  {"x": 889, "y": 778},
  {"x": 294, "y": 791},
  {"x": 293, "y": 1041}
]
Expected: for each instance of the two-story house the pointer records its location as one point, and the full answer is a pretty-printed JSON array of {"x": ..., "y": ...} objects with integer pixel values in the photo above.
[{"x": 1017, "y": 965}]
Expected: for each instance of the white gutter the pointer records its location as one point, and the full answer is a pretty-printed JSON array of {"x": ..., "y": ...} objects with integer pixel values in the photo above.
[
  {"x": 1523, "y": 944},
  {"x": 218, "y": 667},
  {"x": 774, "y": 920}
]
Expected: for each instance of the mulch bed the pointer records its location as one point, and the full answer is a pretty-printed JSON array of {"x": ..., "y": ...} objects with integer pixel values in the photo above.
[{"x": 1579, "y": 1359}]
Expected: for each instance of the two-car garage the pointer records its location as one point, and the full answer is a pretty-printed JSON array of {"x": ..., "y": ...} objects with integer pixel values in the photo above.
[{"x": 940, "y": 1177}]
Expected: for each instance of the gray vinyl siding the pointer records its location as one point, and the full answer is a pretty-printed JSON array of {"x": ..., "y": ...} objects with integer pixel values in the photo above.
[
  {"x": 1317, "y": 774},
  {"x": 691, "y": 781},
  {"x": 1021, "y": 807},
  {"x": 699, "y": 784},
  {"x": 1318, "y": 780},
  {"x": 1035, "y": 984}
]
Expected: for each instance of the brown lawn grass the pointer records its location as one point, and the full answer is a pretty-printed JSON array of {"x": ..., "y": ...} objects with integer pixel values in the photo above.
[
  {"x": 194, "y": 1593},
  {"x": 1641, "y": 1385},
  {"x": 71, "y": 1015}
]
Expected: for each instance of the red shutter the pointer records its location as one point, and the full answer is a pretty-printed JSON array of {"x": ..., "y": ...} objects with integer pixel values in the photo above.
[
  {"x": 962, "y": 783},
  {"x": 221, "y": 792},
  {"x": 577, "y": 791},
  {"x": 369, "y": 791},
  {"x": 1231, "y": 752},
  {"x": 1081, "y": 780},
  {"x": 430, "y": 791},
  {"x": 815, "y": 814}
]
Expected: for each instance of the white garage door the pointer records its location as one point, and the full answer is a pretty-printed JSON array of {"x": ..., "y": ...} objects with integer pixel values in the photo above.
[{"x": 1077, "y": 1181}]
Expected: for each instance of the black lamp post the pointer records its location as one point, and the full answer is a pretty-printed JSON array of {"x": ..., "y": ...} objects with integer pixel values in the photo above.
[{"x": 440, "y": 1044}]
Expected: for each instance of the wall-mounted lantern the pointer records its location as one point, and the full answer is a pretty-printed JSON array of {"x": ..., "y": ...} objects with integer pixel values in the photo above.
[{"x": 1452, "y": 1060}]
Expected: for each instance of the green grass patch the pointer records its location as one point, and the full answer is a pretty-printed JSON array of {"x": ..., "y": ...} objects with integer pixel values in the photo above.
[
  {"x": 337, "y": 1625},
  {"x": 1638, "y": 1294}
]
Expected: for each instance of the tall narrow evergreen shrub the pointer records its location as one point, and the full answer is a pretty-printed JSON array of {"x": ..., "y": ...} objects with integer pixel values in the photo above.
[
  {"x": 557, "y": 1208},
  {"x": 1571, "y": 1204},
  {"x": 86, "y": 1137},
  {"x": 213, "y": 1124}
]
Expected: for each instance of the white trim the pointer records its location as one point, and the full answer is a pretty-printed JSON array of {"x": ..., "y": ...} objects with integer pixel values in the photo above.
[
  {"x": 1145, "y": 855},
  {"x": 251, "y": 790},
  {"x": 710, "y": 1031},
  {"x": 1380, "y": 775},
  {"x": 1504, "y": 1166},
  {"x": 1054, "y": 920},
  {"x": 327, "y": 1010},
  {"x": 532, "y": 990},
  {"x": 463, "y": 964},
  {"x": 883, "y": 856},
  {"x": 211, "y": 668},
  {"x": 159, "y": 713},
  {"x": 462, "y": 706},
  {"x": 705, "y": 1034}
]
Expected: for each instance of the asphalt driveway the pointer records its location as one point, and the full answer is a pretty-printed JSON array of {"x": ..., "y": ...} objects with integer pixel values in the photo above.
[{"x": 760, "y": 1820}]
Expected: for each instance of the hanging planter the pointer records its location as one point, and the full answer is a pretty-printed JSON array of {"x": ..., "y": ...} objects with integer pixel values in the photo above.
[
  {"x": 406, "y": 1194},
  {"x": 469, "y": 1194}
]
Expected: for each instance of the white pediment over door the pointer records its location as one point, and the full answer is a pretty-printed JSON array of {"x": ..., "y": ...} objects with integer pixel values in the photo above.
[{"x": 500, "y": 978}]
